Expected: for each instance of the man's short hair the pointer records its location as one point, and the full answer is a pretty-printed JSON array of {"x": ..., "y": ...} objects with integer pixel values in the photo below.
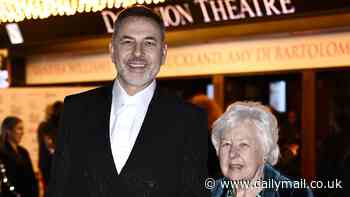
[{"x": 138, "y": 11}]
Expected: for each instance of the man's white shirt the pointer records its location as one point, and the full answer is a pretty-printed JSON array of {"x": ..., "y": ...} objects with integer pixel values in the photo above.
[{"x": 127, "y": 115}]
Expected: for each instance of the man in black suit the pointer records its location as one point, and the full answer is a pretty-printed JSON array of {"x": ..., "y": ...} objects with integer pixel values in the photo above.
[{"x": 129, "y": 139}]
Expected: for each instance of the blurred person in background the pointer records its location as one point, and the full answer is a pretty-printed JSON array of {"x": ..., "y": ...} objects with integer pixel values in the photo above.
[
  {"x": 47, "y": 133},
  {"x": 214, "y": 112},
  {"x": 18, "y": 164},
  {"x": 209, "y": 105},
  {"x": 245, "y": 138},
  {"x": 334, "y": 154},
  {"x": 290, "y": 144}
]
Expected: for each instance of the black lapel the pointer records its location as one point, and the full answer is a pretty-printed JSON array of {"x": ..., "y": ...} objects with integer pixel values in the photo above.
[
  {"x": 100, "y": 158},
  {"x": 103, "y": 118}
]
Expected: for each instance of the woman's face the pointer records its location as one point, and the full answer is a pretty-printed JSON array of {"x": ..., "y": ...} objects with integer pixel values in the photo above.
[
  {"x": 15, "y": 135},
  {"x": 241, "y": 152}
]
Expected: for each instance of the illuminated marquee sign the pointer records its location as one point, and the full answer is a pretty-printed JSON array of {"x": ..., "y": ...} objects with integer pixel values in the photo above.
[
  {"x": 177, "y": 15},
  {"x": 209, "y": 11}
]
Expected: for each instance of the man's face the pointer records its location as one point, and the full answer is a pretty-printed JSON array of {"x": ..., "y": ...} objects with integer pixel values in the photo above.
[{"x": 138, "y": 50}]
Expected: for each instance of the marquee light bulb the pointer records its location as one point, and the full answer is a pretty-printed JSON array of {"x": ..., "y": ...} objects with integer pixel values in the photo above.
[{"x": 19, "y": 10}]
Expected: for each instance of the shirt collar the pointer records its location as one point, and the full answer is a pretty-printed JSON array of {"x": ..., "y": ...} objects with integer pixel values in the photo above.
[{"x": 142, "y": 98}]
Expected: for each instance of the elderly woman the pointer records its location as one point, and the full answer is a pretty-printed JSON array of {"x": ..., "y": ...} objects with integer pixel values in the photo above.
[{"x": 245, "y": 138}]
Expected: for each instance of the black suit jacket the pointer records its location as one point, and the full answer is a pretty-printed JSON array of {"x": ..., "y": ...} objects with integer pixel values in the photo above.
[{"x": 168, "y": 159}]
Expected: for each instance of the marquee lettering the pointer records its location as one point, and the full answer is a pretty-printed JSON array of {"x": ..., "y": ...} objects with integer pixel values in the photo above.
[{"x": 213, "y": 11}]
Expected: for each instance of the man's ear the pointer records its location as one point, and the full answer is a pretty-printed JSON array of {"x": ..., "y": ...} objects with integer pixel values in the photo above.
[
  {"x": 164, "y": 52},
  {"x": 111, "y": 52}
]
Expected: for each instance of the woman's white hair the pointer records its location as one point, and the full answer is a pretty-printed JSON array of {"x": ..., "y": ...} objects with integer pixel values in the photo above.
[{"x": 262, "y": 118}]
